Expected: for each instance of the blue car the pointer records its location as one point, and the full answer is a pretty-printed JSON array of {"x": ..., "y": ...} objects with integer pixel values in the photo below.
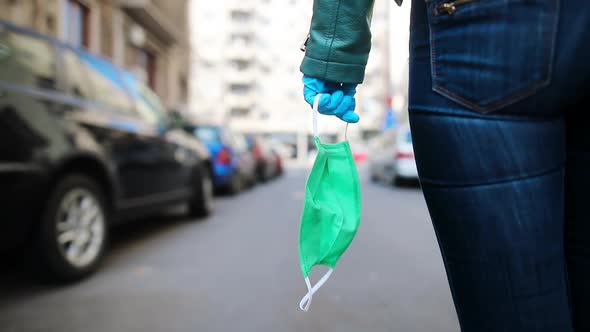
[{"x": 234, "y": 167}]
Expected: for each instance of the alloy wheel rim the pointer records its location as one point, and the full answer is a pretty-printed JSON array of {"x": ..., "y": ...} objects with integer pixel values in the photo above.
[{"x": 80, "y": 227}]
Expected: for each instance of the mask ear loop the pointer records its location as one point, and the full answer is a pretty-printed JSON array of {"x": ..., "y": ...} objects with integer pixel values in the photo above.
[
  {"x": 346, "y": 132},
  {"x": 306, "y": 300},
  {"x": 315, "y": 111}
]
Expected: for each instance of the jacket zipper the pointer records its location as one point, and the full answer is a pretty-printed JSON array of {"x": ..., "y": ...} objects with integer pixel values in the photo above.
[
  {"x": 303, "y": 46},
  {"x": 451, "y": 7}
]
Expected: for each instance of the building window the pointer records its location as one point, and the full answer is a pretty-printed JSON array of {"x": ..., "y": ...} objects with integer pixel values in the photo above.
[
  {"x": 239, "y": 111},
  {"x": 147, "y": 61},
  {"x": 240, "y": 89},
  {"x": 240, "y": 65},
  {"x": 106, "y": 33},
  {"x": 183, "y": 83},
  {"x": 241, "y": 39},
  {"x": 240, "y": 16},
  {"x": 77, "y": 23}
]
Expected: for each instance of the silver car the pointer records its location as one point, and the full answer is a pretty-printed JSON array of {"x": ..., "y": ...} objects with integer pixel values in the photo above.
[{"x": 392, "y": 157}]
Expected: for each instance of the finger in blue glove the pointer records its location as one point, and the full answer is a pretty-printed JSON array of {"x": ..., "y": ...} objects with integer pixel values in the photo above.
[
  {"x": 309, "y": 94},
  {"x": 346, "y": 110},
  {"x": 350, "y": 117},
  {"x": 334, "y": 102},
  {"x": 344, "y": 106},
  {"x": 337, "y": 99},
  {"x": 313, "y": 86}
]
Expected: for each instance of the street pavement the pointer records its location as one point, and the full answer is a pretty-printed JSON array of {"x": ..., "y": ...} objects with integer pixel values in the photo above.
[{"x": 239, "y": 271}]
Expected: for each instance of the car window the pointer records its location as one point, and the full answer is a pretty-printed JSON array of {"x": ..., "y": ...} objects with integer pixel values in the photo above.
[
  {"x": 240, "y": 142},
  {"x": 107, "y": 83},
  {"x": 207, "y": 134},
  {"x": 408, "y": 137},
  {"x": 226, "y": 136},
  {"x": 148, "y": 97},
  {"x": 27, "y": 60},
  {"x": 148, "y": 104},
  {"x": 76, "y": 79}
]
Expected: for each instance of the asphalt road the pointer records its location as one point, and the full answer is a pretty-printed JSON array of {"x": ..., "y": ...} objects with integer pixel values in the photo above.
[{"x": 239, "y": 271}]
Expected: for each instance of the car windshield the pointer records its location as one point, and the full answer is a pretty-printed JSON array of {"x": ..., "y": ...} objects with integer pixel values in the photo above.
[
  {"x": 207, "y": 134},
  {"x": 148, "y": 103},
  {"x": 148, "y": 97}
]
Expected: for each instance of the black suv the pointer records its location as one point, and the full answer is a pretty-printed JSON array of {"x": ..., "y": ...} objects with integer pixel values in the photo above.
[{"x": 83, "y": 145}]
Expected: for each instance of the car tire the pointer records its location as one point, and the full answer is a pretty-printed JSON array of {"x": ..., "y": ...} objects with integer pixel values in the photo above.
[
  {"x": 374, "y": 178},
  {"x": 263, "y": 173},
  {"x": 202, "y": 203},
  {"x": 73, "y": 234},
  {"x": 268, "y": 173},
  {"x": 235, "y": 185}
]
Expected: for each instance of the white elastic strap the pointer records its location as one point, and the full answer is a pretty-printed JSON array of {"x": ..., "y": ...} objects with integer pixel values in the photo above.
[
  {"x": 306, "y": 300},
  {"x": 346, "y": 132},
  {"x": 315, "y": 111}
]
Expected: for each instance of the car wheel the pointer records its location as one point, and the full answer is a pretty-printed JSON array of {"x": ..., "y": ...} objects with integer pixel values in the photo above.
[
  {"x": 269, "y": 173},
  {"x": 74, "y": 229},
  {"x": 235, "y": 185},
  {"x": 374, "y": 178},
  {"x": 203, "y": 201},
  {"x": 263, "y": 174}
]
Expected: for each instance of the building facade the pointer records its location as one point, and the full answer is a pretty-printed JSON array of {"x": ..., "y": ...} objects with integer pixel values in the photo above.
[
  {"x": 224, "y": 65},
  {"x": 246, "y": 66},
  {"x": 399, "y": 59},
  {"x": 146, "y": 37},
  {"x": 245, "y": 63}
]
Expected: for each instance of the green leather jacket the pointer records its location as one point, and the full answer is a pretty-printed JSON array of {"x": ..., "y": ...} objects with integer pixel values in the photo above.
[{"x": 337, "y": 47}]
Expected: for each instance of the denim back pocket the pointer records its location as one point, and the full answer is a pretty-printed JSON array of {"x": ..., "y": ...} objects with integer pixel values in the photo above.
[{"x": 487, "y": 54}]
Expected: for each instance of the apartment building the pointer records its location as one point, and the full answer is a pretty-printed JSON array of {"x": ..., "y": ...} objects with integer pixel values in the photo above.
[
  {"x": 399, "y": 24},
  {"x": 146, "y": 37},
  {"x": 223, "y": 63},
  {"x": 246, "y": 66}
]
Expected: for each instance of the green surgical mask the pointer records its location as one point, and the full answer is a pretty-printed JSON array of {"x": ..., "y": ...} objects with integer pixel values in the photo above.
[{"x": 331, "y": 212}]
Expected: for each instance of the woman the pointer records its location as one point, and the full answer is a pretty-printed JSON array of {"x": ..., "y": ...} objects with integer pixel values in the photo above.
[{"x": 501, "y": 131}]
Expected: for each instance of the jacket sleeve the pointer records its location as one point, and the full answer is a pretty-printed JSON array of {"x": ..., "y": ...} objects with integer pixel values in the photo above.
[{"x": 339, "y": 41}]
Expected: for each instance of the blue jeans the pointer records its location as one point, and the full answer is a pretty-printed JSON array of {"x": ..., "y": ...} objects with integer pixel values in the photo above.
[{"x": 501, "y": 127}]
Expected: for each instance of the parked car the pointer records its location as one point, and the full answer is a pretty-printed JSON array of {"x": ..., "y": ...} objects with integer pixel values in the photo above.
[
  {"x": 149, "y": 105},
  {"x": 267, "y": 166},
  {"x": 284, "y": 150},
  {"x": 278, "y": 160},
  {"x": 246, "y": 159},
  {"x": 233, "y": 166},
  {"x": 360, "y": 151},
  {"x": 392, "y": 157},
  {"x": 77, "y": 156}
]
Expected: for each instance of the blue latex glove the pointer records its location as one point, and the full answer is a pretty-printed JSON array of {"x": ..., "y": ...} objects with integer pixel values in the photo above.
[{"x": 337, "y": 99}]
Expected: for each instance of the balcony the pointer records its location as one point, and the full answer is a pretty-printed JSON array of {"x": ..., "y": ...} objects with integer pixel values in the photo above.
[
  {"x": 246, "y": 28},
  {"x": 238, "y": 73},
  {"x": 244, "y": 5},
  {"x": 240, "y": 52},
  {"x": 240, "y": 78},
  {"x": 239, "y": 101},
  {"x": 166, "y": 21}
]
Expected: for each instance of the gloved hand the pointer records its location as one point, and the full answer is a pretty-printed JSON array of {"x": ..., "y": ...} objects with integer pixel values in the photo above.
[{"x": 337, "y": 99}]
